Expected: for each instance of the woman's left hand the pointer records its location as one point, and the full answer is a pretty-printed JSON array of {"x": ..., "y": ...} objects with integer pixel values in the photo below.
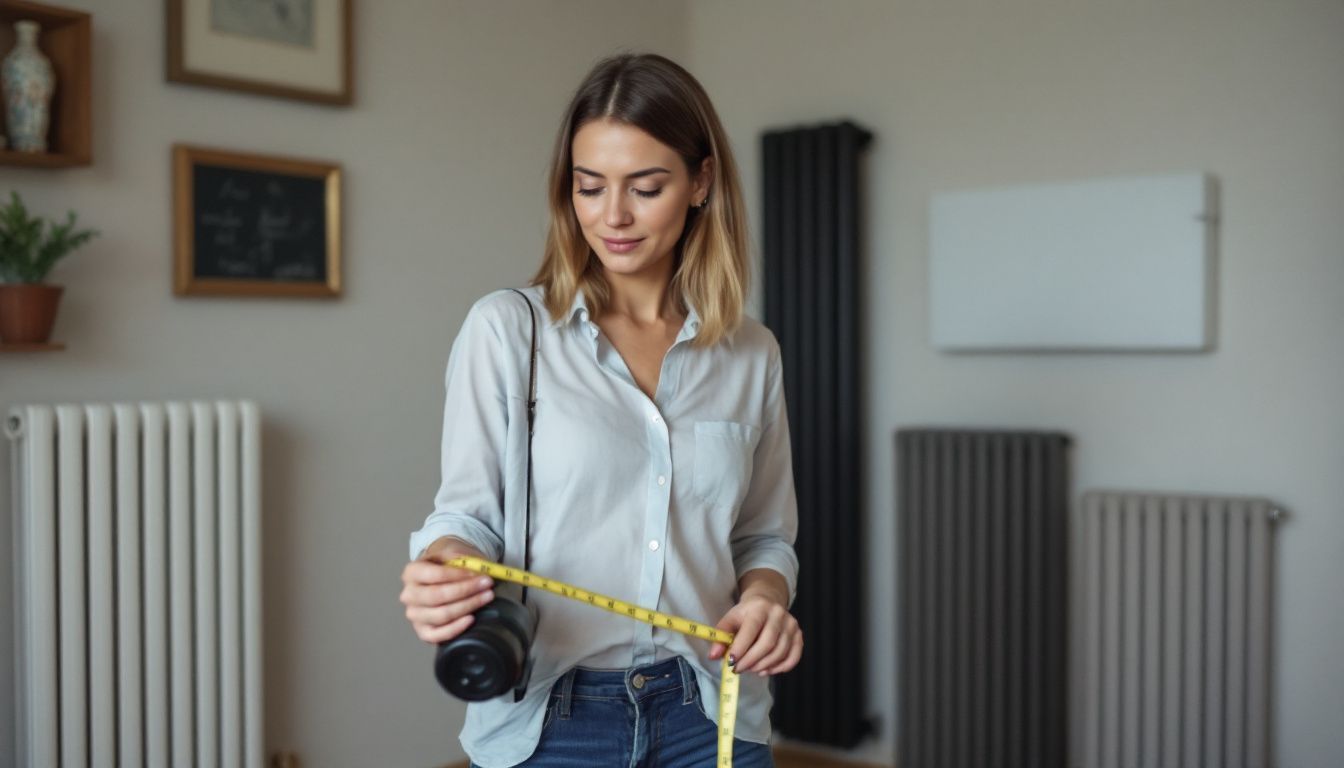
[{"x": 767, "y": 639}]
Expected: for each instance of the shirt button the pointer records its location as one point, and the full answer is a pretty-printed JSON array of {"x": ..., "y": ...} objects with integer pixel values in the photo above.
[
  {"x": 662, "y": 480},
  {"x": 653, "y": 545},
  {"x": 655, "y": 418}
]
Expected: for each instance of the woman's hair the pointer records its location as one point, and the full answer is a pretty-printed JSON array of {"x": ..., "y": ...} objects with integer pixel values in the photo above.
[{"x": 710, "y": 268}]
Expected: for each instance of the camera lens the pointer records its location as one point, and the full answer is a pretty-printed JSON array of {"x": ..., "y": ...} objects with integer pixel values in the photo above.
[
  {"x": 473, "y": 665},
  {"x": 489, "y": 658}
]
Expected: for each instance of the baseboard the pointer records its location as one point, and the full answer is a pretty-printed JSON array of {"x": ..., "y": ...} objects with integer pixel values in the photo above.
[
  {"x": 793, "y": 756},
  {"x": 786, "y": 756}
]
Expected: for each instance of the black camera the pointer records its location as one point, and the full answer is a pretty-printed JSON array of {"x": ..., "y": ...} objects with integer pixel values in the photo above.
[{"x": 493, "y": 655}]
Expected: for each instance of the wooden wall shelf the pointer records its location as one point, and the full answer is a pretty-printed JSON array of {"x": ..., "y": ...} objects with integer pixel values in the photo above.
[
  {"x": 41, "y": 160},
  {"x": 51, "y": 347},
  {"x": 66, "y": 39}
]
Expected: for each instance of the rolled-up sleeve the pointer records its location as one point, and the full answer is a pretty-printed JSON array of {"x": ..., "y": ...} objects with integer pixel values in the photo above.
[
  {"x": 768, "y": 520},
  {"x": 469, "y": 502}
]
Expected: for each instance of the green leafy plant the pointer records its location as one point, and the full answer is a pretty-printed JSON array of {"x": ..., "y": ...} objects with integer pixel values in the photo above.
[{"x": 31, "y": 245}]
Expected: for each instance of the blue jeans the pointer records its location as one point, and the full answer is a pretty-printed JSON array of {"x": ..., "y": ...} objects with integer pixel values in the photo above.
[{"x": 643, "y": 717}]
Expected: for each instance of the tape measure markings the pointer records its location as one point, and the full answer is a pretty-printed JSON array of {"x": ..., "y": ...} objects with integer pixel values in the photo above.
[{"x": 729, "y": 683}]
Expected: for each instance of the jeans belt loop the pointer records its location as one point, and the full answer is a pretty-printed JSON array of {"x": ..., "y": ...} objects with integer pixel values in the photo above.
[
  {"x": 566, "y": 694},
  {"x": 690, "y": 689}
]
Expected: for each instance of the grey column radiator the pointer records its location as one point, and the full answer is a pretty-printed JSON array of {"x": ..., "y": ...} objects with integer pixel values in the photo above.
[
  {"x": 1175, "y": 619},
  {"x": 982, "y": 526}
]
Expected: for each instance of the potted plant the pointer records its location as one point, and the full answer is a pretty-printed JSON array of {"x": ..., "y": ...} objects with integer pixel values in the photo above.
[{"x": 29, "y": 247}]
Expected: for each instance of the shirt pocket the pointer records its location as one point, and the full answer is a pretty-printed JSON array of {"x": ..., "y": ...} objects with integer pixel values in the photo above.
[{"x": 724, "y": 452}]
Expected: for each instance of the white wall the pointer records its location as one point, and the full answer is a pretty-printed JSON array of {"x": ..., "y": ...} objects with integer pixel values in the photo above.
[
  {"x": 963, "y": 95},
  {"x": 445, "y": 153}
]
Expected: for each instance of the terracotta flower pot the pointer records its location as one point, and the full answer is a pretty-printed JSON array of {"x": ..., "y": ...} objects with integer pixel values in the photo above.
[{"x": 27, "y": 312}]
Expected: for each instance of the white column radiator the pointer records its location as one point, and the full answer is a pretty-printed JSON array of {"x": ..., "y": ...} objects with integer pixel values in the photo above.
[
  {"x": 137, "y": 584},
  {"x": 1176, "y": 631}
]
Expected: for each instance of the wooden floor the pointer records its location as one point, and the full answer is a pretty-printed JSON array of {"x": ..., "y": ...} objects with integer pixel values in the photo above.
[
  {"x": 785, "y": 757},
  {"x": 789, "y": 756}
]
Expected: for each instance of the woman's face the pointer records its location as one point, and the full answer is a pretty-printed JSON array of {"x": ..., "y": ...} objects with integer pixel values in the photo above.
[{"x": 631, "y": 196}]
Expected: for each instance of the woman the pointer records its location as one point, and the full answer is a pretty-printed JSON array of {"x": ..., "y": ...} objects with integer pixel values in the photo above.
[{"x": 661, "y": 467}]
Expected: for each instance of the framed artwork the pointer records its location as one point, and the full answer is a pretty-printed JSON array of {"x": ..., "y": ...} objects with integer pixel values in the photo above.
[
  {"x": 296, "y": 49},
  {"x": 255, "y": 225}
]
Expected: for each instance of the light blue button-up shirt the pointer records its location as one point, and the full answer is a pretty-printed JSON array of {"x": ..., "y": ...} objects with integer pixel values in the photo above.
[{"x": 664, "y": 503}]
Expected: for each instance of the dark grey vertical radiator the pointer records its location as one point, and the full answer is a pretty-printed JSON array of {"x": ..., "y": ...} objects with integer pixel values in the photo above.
[
  {"x": 982, "y": 605},
  {"x": 812, "y": 274}
]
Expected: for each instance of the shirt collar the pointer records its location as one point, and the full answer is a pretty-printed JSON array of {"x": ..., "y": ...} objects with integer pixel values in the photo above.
[
  {"x": 578, "y": 312},
  {"x": 578, "y": 309},
  {"x": 691, "y": 327}
]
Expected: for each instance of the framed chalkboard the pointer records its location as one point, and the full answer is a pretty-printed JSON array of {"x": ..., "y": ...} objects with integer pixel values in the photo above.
[{"x": 255, "y": 225}]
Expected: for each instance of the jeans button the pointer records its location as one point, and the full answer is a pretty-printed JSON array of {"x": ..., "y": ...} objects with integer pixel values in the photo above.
[{"x": 637, "y": 681}]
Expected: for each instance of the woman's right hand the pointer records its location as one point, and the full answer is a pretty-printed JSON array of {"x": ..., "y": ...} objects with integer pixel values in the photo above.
[{"x": 439, "y": 599}]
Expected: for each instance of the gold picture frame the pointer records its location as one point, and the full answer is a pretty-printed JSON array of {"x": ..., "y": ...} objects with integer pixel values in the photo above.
[
  {"x": 255, "y": 225},
  {"x": 300, "y": 53}
]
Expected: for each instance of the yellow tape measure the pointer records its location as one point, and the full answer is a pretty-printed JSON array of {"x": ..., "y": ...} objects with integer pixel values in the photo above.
[{"x": 728, "y": 684}]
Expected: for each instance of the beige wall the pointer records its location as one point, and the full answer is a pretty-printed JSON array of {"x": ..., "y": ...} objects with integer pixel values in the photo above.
[
  {"x": 444, "y": 157},
  {"x": 969, "y": 94},
  {"x": 444, "y": 153}
]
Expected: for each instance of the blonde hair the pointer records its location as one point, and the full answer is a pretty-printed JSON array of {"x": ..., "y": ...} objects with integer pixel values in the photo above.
[{"x": 711, "y": 270}]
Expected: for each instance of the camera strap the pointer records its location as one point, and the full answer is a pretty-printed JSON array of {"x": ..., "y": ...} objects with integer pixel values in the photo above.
[
  {"x": 520, "y": 690},
  {"x": 531, "y": 423}
]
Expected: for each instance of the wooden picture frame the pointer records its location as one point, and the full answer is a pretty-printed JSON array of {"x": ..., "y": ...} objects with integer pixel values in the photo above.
[
  {"x": 293, "y": 56},
  {"x": 255, "y": 225}
]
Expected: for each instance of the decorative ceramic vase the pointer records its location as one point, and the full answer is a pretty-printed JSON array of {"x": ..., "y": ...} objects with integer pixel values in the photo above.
[{"x": 28, "y": 83}]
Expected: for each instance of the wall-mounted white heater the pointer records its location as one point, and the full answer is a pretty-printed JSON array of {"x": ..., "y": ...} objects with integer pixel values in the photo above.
[
  {"x": 1113, "y": 264},
  {"x": 138, "y": 584}
]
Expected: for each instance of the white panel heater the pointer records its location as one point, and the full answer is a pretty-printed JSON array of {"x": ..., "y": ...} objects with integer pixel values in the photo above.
[
  {"x": 1108, "y": 264},
  {"x": 137, "y": 553}
]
